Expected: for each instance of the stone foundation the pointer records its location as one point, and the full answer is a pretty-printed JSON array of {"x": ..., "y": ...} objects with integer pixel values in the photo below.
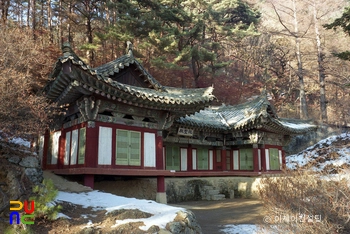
[
  {"x": 161, "y": 198},
  {"x": 182, "y": 189},
  {"x": 187, "y": 189}
]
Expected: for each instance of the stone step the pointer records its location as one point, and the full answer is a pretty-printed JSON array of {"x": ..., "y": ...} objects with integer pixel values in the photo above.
[
  {"x": 213, "y": 192},
  {"x": 218, "y": 197},
  {"x": 208, "y": 187}
]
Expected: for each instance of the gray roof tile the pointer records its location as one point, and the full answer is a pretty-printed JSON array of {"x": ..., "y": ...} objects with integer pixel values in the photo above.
[{"x": 258, "y": 113}]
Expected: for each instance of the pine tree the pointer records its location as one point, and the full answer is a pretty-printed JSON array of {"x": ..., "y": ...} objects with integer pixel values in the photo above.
[{"x": 193, "y": 34}]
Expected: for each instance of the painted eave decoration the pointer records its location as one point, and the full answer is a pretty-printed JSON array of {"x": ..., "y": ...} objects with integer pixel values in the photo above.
[
  {"x": 72, "y": 79},
  {"x": 255, "y": 114}
]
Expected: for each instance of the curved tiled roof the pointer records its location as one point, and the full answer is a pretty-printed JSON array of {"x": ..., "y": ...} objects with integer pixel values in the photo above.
[
  {"x": 256, "y": 114},
  {"x": 208, "y": 118},
  {"x": 113, "y": 67},
  {"x": 68, "y": 86},
  {"x": 242, "y": 115}
]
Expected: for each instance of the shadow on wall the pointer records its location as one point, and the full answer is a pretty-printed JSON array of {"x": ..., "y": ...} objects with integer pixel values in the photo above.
[
  {"x": 140, "y": 188},
  {"x": 179, "y": 190},
  {"x": 239, "y": 187}
]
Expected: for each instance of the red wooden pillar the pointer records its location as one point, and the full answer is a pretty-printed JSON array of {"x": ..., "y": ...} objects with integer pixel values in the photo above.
[
  {"x": 215, "y": 159},
  {"x": 89, "y": 180},
  {"x": 159, "y": 151},
  {"x": 283, "y": 159},
  {"x": 189, "y": 158},
  {"x": 160, "y": 184},
  {"x": 45, "y": 149},
  {"x": 263, "y": 159},
  {"x": 223, "y": 159},
  {"x": 61, "y": 149},
  {"x": 255, "y": 158},
  {"x": 161, "y": 195},
  {"x": 91, "y": 151},
  {"x": 91, "y": 145}
]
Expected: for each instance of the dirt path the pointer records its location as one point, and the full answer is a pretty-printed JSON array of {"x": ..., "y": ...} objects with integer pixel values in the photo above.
[{"x": 211, "y": 215}]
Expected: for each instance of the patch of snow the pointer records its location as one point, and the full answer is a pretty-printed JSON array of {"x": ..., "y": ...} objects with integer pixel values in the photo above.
[
  {"x": 61, "y": 215},
  {"x": 20, "y": 141},
  {"x": 320, "y": 154},
  {"x": 51, "y": 204},
  {"x": 162, "y": 214},
  {"x": 85, "y": 216},
  {"x": 89, "y": 224},
  {"x": 243, "y": 229}
]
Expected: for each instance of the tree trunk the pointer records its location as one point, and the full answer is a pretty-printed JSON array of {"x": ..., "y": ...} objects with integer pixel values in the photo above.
[
  {"x": 49, "y": 20},
  {"x": 195, "y": 71},
  {"x": 321, "y": 70},
  {"x": 19, "y": 13},
  {"x": 70, "y": 38},
  {"x": 89, "y": 39},
  {"x": 303, "y": 103},
  {"x": 5, "y": 4},
  {"x": 42, "y": 20},
  {"x": 28, "y": 13},
  {"x": 60, "y": 31},
  {"x": 88, "y": 32},
  {"x": 33, "y": 2}
]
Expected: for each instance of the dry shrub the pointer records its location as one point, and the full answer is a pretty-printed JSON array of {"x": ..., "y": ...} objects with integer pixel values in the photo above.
[
  {"x": 25, "y": 66},
  {"x": 304, "y": 202}
]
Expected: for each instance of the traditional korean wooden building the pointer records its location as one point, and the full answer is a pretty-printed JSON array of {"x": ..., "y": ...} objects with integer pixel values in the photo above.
[{"x": 121, "y": 121}]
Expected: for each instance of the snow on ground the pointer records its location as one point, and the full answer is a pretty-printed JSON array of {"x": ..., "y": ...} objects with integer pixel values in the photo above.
[
  {"x": 327, "y": 154},
  {"x": 20, "y": 141},
  {"x": 244, "y": 229},
  {"x": 162, "y": 214},
  {"x": 15, "y": 140},
  {"x": 240, "y": 229}
]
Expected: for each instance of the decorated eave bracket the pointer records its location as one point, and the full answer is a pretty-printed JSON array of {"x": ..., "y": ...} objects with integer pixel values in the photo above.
[
  {"x": 256, "y": 136},
  {"x": 166, "y": 120},
  {"x": 89, "y": 108}
]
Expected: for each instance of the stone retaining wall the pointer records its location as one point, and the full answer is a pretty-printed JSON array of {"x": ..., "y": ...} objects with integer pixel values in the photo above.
[
  {"x": 186, "y": 189},
  {"x": 182, "y": 189},
  {"x": 19, "y": 172}
]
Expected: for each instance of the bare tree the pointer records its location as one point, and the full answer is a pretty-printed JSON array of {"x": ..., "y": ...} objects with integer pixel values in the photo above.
[
  {"x": 4, "y": 6},
  {"x": 320, "y": 62},
  {"x": 29, "y": 5},
  {"x": 24, "y": 72},
  {"x": 49, "y": 21},
  {"x": 33, "y": 14},
  {"x": 291, "y": 28}
]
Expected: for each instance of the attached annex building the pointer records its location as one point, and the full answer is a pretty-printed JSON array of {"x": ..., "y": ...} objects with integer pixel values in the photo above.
[{"x": 121, "y": 121}]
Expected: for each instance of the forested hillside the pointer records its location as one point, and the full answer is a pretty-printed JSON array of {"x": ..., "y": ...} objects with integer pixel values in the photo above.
[{"x": 240, "y": 47}]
